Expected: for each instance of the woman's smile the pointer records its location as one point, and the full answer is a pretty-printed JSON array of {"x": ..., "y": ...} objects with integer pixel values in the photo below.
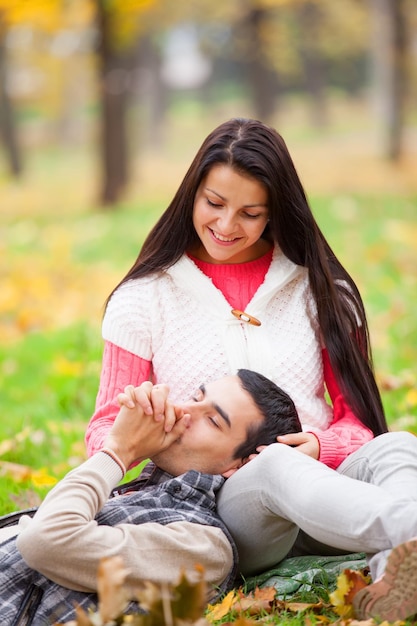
[
  {"x": 230, "y": 215},
  {"x": 222, "y": 238}
]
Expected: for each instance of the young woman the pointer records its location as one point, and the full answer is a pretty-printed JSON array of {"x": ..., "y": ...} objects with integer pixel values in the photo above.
[{"x": 236, "y": 273}]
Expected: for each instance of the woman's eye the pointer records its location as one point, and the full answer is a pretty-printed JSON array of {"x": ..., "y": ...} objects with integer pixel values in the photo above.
[
  {"x": 251, "y": 216},
  {"x": 213, "y": 204}
]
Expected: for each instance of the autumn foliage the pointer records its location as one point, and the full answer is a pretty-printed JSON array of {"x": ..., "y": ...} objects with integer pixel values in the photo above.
[{"x": 184, "y": 603}]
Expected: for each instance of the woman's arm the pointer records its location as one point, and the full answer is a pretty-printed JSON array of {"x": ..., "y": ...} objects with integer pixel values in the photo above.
[
  {"x": 346, "y": 433},
  {"x": 120, "y": 368}
]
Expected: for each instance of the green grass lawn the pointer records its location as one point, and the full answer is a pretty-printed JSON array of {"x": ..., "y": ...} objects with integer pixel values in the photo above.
[
  {"x": 59, "y": 272},
  {"x": 59, "y": 259}
]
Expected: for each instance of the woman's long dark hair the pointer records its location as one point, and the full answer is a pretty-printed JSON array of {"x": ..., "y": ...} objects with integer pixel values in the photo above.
[{"x": 256, "y": 150}]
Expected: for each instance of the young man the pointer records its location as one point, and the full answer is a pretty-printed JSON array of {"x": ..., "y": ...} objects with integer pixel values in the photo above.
[{"x": 162, "y": 523}]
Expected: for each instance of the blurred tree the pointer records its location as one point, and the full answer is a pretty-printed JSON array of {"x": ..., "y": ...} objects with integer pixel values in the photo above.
[
  {"x": 128, "y": 30},
  {"x": 45, "y": 15},
  {"x": 390, "y": 53},
  {"x": 314, "y": 68},
  {"x": 7, "y": 118},
  {"x": 295, "y": 45},
  {"x": 260, "y": 75},
  {"x": 123, "y": 34}
]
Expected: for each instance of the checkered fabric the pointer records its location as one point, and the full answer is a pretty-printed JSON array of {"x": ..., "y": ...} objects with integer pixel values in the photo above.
[{"x": 154, "y": 497}]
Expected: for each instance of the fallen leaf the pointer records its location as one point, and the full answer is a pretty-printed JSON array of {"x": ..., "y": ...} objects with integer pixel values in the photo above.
[
  {"x": 411, "y": 397},
  {"x": 255, "y": 603},
  {"x": 299, "y": 607},
  {"x": 349, "y": 582},
  {"x": 221, "y": 609},
  {"x": 112, "y": 593},
  {"x": 10, "y": 444}
]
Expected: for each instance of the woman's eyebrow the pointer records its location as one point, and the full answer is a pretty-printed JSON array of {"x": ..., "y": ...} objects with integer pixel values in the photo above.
[{"x": 217, "y": 408}]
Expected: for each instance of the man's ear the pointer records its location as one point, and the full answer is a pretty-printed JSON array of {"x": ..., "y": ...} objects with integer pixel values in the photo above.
[{"x": 232, "y": 470}]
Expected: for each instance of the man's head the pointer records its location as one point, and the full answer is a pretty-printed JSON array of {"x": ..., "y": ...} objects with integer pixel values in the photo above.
[{"x": 230, "y": 418}]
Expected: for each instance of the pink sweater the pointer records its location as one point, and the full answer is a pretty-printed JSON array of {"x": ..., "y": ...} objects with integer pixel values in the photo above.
[{"x": 121, "y": 368}]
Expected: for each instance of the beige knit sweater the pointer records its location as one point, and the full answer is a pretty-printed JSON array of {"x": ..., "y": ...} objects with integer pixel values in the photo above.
[{"x": 64, "y": 542}]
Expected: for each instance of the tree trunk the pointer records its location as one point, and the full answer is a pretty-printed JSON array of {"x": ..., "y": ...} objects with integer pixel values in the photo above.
[
  {"x": 261, "y": 78},
  {"x": 399, "y": 78},
  {"x": 389, "y": 55},
  {"x": 313, "y": 63},
  {"x": 7, "y": 122},
  {"x": 114, "y": 88}
]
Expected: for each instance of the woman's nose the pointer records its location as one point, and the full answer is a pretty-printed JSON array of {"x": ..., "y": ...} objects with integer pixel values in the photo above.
[{"x": 227, "y": 222}]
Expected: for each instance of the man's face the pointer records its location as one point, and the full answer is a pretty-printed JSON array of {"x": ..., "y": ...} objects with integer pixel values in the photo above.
[{"x": 221, "y": 412}]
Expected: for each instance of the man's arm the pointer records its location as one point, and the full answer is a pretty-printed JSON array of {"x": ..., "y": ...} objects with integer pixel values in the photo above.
[{"x": 65, "y": 544}]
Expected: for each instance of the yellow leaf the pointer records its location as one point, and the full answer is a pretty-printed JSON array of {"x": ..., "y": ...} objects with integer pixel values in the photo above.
[
  {"x": 221, "y": 609},
  {"x": 411, "y": 397},
  {"x": 349, "y": 582},
  {"x": 67, "y": 368},
  {"x": 40, "y": 478}
]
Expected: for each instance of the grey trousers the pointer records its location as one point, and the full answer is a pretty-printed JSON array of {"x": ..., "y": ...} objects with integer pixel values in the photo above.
[{"x": 286, "y": 503}]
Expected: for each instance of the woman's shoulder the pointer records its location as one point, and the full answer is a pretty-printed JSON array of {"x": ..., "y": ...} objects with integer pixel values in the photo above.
[
  {"x": 136, "y": 287},
  {"x": 133, "y": 295}
]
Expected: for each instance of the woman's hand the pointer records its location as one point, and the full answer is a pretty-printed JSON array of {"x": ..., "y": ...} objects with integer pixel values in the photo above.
[
  {"x": 153, "y": 399},
  {"x": 307, "y": 443},
  {"x": 135, "y": 436}
]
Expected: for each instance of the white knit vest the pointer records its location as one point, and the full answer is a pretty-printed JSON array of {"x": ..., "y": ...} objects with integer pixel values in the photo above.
[{"x": 182, "y": 323}]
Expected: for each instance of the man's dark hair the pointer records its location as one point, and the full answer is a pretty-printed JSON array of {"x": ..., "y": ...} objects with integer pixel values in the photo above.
[{"x": 280, "y": 414}]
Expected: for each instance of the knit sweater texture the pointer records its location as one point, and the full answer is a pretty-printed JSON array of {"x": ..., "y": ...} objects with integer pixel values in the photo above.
[
  {"x": 177, "y": 327},
  {"x": 164, "y": 525}
]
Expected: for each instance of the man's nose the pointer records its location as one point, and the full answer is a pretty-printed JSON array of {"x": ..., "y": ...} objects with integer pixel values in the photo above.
[{"x": 193, "y": 409}]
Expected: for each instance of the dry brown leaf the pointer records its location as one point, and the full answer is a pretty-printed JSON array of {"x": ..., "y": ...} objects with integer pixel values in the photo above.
[
  {"x": 148, "y": 594},
  {"x": 298, "y": 607},
  {"x": 112, "y": 593},
  {"x": 184, "y": 602},
  {"x": 241, "y": 621},
  {"x": 255, "y": 603},
  {"x": 26, "y": 499},
  {"x": 190, "y": 599}
]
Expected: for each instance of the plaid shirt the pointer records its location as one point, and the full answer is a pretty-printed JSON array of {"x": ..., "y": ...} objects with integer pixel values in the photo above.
[{"x": 156, "y": 497}]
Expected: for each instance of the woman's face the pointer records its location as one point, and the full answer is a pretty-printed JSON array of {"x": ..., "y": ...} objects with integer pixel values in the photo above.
[{"x": 230, "y": 214}]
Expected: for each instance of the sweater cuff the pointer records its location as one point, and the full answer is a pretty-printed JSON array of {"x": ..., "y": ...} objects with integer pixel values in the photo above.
[
  {"x": 108, "y": 467},
  {"x": 329, "y": 449}
]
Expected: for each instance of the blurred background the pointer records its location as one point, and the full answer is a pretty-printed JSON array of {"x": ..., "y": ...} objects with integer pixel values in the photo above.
[
  {"x": 117, "y": 82},
  {"x": 103, "y": 104}
]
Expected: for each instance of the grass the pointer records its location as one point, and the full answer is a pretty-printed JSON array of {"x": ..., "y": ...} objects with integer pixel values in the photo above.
[
  {"x": 59, "y": 272},
  {"x": 60, "y": 257}
]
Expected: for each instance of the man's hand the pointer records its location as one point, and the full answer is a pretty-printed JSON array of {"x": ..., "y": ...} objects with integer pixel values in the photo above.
[{"x": 136, "y": 436}]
